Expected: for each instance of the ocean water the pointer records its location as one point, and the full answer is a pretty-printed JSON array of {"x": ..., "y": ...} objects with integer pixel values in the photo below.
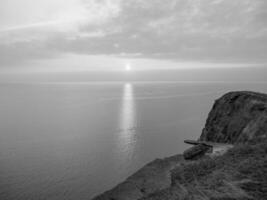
[{"x": 75, "y": 140}]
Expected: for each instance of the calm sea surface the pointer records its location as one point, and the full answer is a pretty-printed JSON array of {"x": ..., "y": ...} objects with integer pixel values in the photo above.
[{"x": 76, "y": 140}]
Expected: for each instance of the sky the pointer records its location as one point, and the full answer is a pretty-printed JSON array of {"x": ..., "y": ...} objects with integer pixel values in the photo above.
[{"x": 72, "y": 36}]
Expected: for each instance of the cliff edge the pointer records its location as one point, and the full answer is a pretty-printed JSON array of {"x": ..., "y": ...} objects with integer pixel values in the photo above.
[
  {"x": 237, "y": 117},
  {"x": 238, "y": 120}
]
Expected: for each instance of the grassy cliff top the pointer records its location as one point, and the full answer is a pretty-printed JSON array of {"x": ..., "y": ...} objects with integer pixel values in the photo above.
[{"x": 241, "y": 173}]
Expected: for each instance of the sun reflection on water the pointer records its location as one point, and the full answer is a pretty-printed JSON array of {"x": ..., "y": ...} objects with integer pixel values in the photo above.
[{"x": 127, "y": 135}]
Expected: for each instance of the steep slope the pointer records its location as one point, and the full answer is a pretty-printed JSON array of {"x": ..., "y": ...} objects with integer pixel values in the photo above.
[
  {"x": 240, "y": 174},
  {"x": 238, "y": 118}
]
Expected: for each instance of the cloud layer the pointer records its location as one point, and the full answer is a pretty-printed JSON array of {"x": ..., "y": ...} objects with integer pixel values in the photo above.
[{"x": 183, "y": 30}]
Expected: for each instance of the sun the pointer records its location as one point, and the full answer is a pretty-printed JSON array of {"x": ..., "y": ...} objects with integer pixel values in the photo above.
[{"x": 128, "y": 67}]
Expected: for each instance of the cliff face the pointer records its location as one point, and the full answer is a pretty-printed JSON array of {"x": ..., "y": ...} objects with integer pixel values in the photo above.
[
  {"x": 151, "y": 178},
  {"x": 237, "y": 117}
]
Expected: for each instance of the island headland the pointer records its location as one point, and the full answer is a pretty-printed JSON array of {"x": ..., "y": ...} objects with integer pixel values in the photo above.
[{"x": 227, "y": 162}]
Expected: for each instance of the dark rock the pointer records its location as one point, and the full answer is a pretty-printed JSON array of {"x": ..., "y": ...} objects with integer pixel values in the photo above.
[
  {"x": 237, "y": 117},
  {"x": 196, "y": 151}
]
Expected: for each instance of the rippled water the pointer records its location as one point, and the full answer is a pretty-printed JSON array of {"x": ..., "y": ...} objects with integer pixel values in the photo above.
[{"x": 75, "y": 140}]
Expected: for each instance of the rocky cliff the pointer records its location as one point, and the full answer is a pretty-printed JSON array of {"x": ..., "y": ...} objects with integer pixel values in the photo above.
[{"x": 238, "y": 118}]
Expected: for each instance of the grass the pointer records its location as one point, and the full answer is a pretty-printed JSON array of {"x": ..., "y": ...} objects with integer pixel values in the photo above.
[{"x": 241, "y": 173}]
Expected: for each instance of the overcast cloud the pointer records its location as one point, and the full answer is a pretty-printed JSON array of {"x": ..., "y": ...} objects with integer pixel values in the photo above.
[{"x": 232, "y": 31}]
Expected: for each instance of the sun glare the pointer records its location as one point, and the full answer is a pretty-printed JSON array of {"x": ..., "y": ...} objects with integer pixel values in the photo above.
[{"x": 128, "y": 67}]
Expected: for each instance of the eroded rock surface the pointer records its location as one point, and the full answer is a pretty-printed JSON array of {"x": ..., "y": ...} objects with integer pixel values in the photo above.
[{"x": 237, "y": 117}]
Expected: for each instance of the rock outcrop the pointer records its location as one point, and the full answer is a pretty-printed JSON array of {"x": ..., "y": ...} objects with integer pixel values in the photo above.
[
  {"x": 204, "y": 148},
  {"x": 196, "y": 152},
  {"x": 237, "y": 117}
]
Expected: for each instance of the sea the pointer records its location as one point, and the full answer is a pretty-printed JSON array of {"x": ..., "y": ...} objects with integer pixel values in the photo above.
[{"x": 73, "y": 141}]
